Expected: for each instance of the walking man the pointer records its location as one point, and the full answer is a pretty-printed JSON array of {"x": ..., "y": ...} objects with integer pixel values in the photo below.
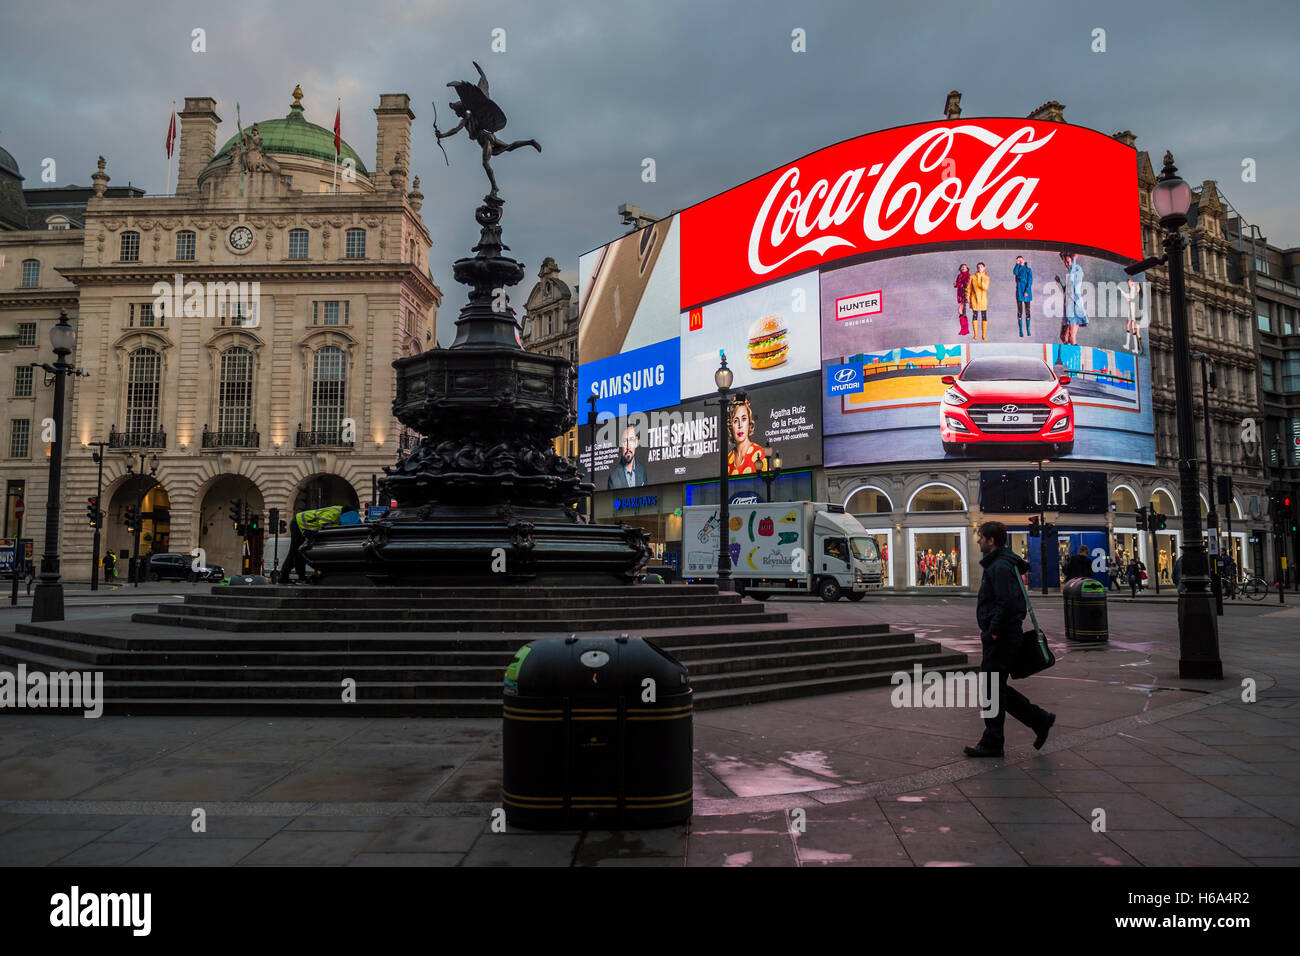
[
  {"x": 1134, "y": 574},
  {"x": 1000, "y": 611}
]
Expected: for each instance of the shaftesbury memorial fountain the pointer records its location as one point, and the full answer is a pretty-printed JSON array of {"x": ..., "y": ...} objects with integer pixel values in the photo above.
[{"x": 483, "y": 498}]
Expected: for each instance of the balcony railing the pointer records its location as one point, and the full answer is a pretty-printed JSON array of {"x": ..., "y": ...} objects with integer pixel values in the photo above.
[
  {"x": 231, "y": 438},
  {"x": 329, "y": 437},
  {"x": 140, "y": 438}
]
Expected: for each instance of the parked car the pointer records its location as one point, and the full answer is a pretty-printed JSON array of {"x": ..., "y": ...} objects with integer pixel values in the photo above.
[
  {"x": 1006, "y": 400},
  {"x": 180, "y": 567}
]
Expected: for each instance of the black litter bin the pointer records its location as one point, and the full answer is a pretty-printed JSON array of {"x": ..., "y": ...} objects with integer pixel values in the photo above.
[
  {"x": 1085, "y": 611},
  {"x": 596, "y": 732}
]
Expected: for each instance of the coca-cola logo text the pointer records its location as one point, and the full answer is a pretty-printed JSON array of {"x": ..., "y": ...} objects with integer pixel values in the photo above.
[{"x": 787, "y": 209}]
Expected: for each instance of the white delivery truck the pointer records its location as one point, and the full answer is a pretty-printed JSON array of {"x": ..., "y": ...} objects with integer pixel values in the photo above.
[{"x": 785, "y": 546}]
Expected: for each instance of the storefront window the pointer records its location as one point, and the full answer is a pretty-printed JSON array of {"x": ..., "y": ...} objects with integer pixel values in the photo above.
[
  {"x": 937, "y": 558},
  {"x": 936, "y": 498}
]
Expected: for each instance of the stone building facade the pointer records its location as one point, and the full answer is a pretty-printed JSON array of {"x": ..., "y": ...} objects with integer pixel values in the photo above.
[
  {"x": 243, "y": 331},
  {"x": 551, "y": 328}
]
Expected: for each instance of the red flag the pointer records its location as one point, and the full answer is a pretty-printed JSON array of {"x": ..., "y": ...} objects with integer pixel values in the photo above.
[
  {"x": 171, "y": 135},
  {"x": 338, "y": 141}
]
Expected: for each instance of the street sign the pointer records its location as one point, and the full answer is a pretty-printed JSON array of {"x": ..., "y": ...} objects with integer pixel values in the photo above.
[
  {"x": 375, "y": 512},
  {"x": 19, "y": 508}
]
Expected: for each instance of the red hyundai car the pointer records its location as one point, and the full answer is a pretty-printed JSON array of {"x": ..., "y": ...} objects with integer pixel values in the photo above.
[{"x": 1007, "y": 400}]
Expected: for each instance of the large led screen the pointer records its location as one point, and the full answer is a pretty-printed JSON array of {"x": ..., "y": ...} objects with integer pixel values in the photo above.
[
  {"x": 680, "y": 443},
  {"x": 986, "y": 354}
]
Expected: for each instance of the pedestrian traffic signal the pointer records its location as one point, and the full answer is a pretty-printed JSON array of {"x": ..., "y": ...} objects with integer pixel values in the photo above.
[
  {"x": 1289, "y": 510},
  {"x": 1142, "y": 519},
  {"x": 255, "y": 522},
  {"x": 92, "y": 511},
  {"x": 1225, "y": 490},
  {"x": 1034, "y": 530},
  {"x": 128, "y": 518},
  {"x": 1160, "y": 521},
  {"x": 283, "y": 527}
]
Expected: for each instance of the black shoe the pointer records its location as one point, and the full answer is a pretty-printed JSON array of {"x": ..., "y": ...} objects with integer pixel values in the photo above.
[
  {"x": 979, "y": 750},
  {"x": 1042, "y": 734}
]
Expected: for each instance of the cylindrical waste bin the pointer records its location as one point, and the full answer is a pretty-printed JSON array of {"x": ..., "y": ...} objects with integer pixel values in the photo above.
[
  {"x": 596, "y": 732},
  {"x": 1085, "y": 611}
]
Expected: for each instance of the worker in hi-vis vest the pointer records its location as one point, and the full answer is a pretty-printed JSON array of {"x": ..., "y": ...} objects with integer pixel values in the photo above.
[{"x": 304, "y": 527}]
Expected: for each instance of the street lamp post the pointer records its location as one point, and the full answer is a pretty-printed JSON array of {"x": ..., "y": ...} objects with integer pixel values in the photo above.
[
  {"x": 723, "y": 377},
  {"x": 1198, "y": 626},
  {"x": 137, "y": 569},
  {"x": 47, "y": 601},
  {"x": 771, "y": 471},
  {"x": 1042, "y": 527},
  {"x": 1212, "y": 515},
  {"x": 98, "y": 458},
  {"x": 591, "y": 456}
]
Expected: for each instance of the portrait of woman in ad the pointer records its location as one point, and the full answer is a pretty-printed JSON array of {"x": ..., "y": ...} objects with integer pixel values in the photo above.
[{"x": 746, "y": 456}]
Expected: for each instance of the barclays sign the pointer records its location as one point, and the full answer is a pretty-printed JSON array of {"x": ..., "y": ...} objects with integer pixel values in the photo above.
[{"x": 641, "y": 501}]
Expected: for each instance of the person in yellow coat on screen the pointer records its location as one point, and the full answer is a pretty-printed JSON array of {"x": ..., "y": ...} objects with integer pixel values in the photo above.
[{"x": 979, "y": 301}]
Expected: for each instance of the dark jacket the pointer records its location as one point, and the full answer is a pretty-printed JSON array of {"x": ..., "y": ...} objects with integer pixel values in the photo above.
[
  {"x": 1000, "y": 608},
  {"x": 618, "y": 476},
  {"x": 1079, "y": 566},
  {"x": 1024, "y": 282}
]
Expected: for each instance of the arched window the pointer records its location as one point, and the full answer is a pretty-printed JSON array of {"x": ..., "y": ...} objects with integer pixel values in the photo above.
[
  {"x": 297, "y": 243},
  {"x": 868, "y": 501},
  {"x": 356, "y": 244},
  {"x": 1162, "y": 502},
  {"x": 235, "y": 402},
  {"x": 130, "y": 247},
  {"x": 143, "y": 380},
  {"x": 1124, "y": 499},
  {"x": 185, "y": 245},
  {"x": 328, "y": 394},
  {"x": 31, "y": 273},
  {"x": 936, "y": 497}
]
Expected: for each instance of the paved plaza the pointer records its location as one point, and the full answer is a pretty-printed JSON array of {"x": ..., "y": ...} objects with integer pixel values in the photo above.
[{"x": 1185, "y": 772}]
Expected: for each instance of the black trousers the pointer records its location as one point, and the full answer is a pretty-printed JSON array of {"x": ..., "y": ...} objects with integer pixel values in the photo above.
[
  {"x": 297, "y": 563},
  {"x": 997, "y": 654},
  {"x": 1022, "y": 309}
]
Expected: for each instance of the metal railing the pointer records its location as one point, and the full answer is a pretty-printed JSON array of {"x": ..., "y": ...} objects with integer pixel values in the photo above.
[
  {"x": 322, "y": 437},
  {"x": 232, "y": 438},
  {"x": 140, "y": 438}
]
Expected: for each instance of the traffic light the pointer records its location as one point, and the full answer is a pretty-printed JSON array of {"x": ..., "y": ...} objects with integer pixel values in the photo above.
[
  {"x": 283, "y": 527},
  {"x": 1034, "y": 529},
  {"x": 1142, "y": 519},
  {"x": 1289, "y": 510},
  {"x": 92, "y": 511},
  {"x": 272, "y": 518},
  {"x": 235, "y": 508},
  {"x": 254, "y": 522},
  {"x": 1225, "y": 490},
  {"x": 1160, "y": 521},
  {"x": 1049, "y": 528},
  {"x": 129, "y": 518}
]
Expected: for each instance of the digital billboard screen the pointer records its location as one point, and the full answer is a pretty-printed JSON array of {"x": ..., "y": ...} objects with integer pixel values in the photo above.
[
  {"x": 988, "y": 354},
  {"x": 680, "y": 443}
]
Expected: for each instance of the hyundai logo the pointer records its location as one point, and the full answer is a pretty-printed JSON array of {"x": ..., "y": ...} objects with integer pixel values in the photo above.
[
  {"x": 846, "y": 374},
  {"x": 1011, "y": 408}
]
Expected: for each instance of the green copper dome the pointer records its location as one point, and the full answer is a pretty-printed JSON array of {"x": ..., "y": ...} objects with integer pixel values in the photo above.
[{"x": 294, "y": 136}]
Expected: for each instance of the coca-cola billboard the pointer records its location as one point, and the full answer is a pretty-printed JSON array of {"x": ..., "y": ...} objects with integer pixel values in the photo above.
[{"x": 968, "y": 181}]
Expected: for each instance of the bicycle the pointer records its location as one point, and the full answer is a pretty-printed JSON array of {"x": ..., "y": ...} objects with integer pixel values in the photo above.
[{"x": 1253, "y": 587}]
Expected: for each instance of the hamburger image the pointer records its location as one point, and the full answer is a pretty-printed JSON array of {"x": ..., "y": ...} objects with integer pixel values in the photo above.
[{"x": 768, "y": 347}]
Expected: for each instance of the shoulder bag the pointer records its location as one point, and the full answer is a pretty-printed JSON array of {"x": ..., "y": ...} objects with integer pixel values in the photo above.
[{"x": 1034, "y": 654}]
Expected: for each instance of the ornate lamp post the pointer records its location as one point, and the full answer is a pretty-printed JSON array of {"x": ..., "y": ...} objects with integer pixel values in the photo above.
[
  {"x": 47, "y": 601},
  {"x": 723, "y": 377},
  {"x": 1198, "y": 627}
]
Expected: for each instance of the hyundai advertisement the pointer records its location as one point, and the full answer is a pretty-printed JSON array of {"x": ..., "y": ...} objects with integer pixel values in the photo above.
[{"x": 986, "y": 354}]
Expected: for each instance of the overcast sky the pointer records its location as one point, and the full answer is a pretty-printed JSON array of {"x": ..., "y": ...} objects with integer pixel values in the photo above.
[{"x": 712, "y": 91}]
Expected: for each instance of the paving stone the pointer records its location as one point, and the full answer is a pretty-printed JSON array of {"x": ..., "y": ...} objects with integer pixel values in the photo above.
[
  {"x": 188, "y": 780},
  {"x": 76, "y": 821},
  {"x": 1251, "y": 838},
  {"x": 943, "y": 793},
  {"x": 1254, "y": 785},
  {"x": 664, "y": 861},
  {"x": 428, "y": 835},
  {"x": 1283, "y": 806},
  {"x": 1063, "y": 844},
  {"x": 339, "y": 823},
  {"x": 1150, "y": 773},
  {"x": 1078, "y": 781},
  {"x": 1165, "y": 849},
  {"x": 10, "y": 821},
  {"x": 604, "y": 844},
  {"x": 358, "y": 774},
  {"x": 46, "y": 778},
  {"x": 308, "y": 848},
  {"x": 1124, "y": 811},
  {"x": 1008, "y": 782},
  {"x": 407, "y": 859},
  {"x": 102, "y": 853},
  {"x": 23, "y": 847},
  {"x": 477, "y": 780},
  {"x": 940, "y": 818},
  {"x": 523, "y": 849},
  {"x": 1026, "y": 810},
  {"x": 183, "y": 852},
  {"x": 961, "y": 849},
  {"x": 1197, "y": 800},
  {"x": 1216, "y": 766},
  {"x": 151, "y": 829},
  {"x": 858, "y": 832}
]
